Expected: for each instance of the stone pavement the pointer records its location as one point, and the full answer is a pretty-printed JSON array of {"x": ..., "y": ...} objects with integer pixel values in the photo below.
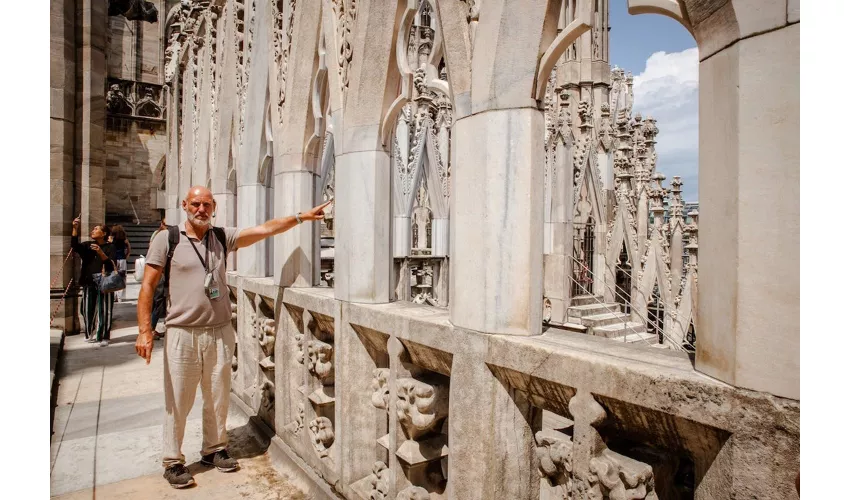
[{"x": 107, "y": 430}]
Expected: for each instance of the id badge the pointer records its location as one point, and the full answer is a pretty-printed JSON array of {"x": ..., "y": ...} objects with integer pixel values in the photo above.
[{"x": 213, "y": 291}]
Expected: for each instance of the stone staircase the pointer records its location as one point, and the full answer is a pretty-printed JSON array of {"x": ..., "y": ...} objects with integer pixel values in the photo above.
[{"x": 606, "y": 319}]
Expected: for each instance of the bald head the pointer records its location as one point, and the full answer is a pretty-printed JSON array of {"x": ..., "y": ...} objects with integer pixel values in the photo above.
[{"x": 198, "y": 191}]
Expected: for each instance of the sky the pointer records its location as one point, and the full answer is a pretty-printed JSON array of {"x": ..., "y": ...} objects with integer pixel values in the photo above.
[{"x": 662, "y": 56}]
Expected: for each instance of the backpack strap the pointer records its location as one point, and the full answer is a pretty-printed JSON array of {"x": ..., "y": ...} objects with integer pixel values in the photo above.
[
  {"x": 173, "y": 241},
  {"x": 222, "y": 238}
]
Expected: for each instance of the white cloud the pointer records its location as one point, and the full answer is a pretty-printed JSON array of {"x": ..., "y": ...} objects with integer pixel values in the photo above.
[{"x": 668, "y": 90}]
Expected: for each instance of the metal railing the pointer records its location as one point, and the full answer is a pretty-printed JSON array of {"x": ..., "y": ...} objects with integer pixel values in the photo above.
[{"x": 634, "y": 311}]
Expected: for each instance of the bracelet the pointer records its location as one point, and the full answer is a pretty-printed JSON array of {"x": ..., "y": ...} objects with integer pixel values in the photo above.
[{"x": 298, "y": 218}]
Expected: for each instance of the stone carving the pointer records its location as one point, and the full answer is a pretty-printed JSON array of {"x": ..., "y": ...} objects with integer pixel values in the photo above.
[
  {"x": 147, "y": 106},
  {"x": 413, "y": 493},
  {"x": 267, "y": 404},
  {"x": 421, "y": 407},
  {"x": 282, "y": 47},
  {"x": 618, "y": 477},
  {"x": 117, "y": 102},
  {"x": 296, "y": 425},
  {"x": 134, "y": 10},
  {"x": 583, "y": 467},
  {"x": 320, "y": 361},
  {"x": 322, "y": 435},
  {"x": 380, "y": 384},
  {"x": 555, "y": 455},
  {"x": 606, "y": 129},
  {"x": 345, "y": 12},
  {"x": 172, "y": 52},
  {"x": 472, "y": 16},
  {"x": 379, "y": 480},
  {"x": 299, "y": 341}
]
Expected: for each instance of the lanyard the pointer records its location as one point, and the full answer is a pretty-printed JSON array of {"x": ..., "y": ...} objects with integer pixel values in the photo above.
[{"x": 206, "y": 259}]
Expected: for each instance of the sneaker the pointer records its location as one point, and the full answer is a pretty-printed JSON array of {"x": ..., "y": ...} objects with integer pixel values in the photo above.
[
  {"x": 104, "y": 343},
  {"x": 221, "y": 460},
  {"x": 178, "y": 476}
]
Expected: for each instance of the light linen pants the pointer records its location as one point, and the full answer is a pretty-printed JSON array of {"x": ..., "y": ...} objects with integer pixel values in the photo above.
[{"x": 196, "y": 355}]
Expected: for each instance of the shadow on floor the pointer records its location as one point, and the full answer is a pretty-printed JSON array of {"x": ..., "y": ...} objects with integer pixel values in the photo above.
[{"x": 243, "y": 442}]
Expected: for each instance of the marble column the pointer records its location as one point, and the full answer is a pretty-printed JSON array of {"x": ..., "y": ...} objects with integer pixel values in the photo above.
[
  {"x": 252, "y": 193},
  {"x": 748, "y": 321},
  {"x": 363, "y": 256},
  {"x": 62, "y": 126},
  {"x": 297, "y": 175},
  {"x": 91, "y": 111},
  {"x": 496, "y": 282},
  {"x": 295, "y": 191}
]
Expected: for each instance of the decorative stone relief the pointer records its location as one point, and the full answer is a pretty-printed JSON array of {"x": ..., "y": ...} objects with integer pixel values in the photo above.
[
  {"x": 421, "y": 406},
  {"x": 296, "y": 425},
  {"x": 379, "y": 481},
  {"x": 380, "y": 384},
  {"x": 472, "y": 16},
  {"x": 320, "y": 361},
  {"x": 322, "y": 435},
  {"x": 345, "y": 13},
  {"x": 284, "y": 25}
]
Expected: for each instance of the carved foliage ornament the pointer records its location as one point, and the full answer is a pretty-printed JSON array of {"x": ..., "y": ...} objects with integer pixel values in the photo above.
[
  {"x": 421, "y": 406},
  {"x": 322, "y": 435},
  {"x": 345, "y": 12}
]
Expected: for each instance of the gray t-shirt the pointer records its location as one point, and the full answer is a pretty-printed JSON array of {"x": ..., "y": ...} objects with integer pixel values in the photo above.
[{"x": 189, "y": 305}]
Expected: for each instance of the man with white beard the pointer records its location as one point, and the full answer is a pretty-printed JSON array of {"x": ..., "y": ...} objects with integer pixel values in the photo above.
[{"x": 199, "y": 339}]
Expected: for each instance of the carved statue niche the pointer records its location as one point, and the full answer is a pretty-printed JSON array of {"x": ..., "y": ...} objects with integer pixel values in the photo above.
[
  {"x": 322, "y": 435},
  {"x": 421, "y": 406},
  {"x": 147, "y": 105},
  {"x": 117, "y": 102}
]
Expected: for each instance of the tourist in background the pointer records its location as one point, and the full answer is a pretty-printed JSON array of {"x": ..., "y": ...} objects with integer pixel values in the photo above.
[
  {"x": 122, "y": 248},
  {"x": 96, "y": 307}
]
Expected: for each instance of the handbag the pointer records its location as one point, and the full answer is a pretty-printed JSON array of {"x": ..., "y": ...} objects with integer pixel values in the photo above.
[
  {"x": 108, "y": 283},
  {"x": 139, "y": 272}
]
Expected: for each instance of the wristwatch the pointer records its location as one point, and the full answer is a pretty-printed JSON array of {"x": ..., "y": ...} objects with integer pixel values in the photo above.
[{"x": 298, "y": 218}]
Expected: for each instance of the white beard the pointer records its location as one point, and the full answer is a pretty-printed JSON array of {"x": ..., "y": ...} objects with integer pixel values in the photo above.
[{"x": 198, "y": 222}]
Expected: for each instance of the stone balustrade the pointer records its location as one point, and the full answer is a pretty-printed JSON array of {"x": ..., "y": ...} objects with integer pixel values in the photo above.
[{"x": 393, "y": 401}]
